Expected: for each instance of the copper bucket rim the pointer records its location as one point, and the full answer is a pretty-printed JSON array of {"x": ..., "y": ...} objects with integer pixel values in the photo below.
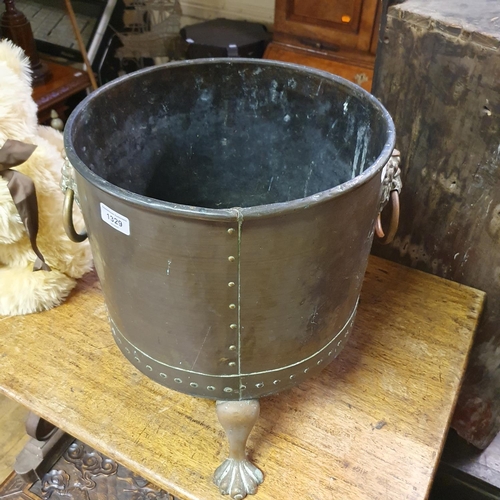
[{"x": 257, "y": 211}]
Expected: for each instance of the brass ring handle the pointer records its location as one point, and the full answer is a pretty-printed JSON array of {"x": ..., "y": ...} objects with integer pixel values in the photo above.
[
  {"x": 69, "y": 227},
  {"x": 393, "y": 226}
]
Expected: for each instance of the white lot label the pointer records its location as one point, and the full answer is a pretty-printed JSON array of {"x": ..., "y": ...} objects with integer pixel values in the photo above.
[{"x": 115, "y": 220}]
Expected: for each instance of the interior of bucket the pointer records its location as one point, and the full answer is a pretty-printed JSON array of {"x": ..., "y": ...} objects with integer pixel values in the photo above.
[{"x": 220, "y": 135}]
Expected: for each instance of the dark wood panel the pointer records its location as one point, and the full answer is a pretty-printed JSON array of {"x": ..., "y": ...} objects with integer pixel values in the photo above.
[
  {"x": 326, "y": 26},
  {"x": 483, "y": 465},
  {"x": 343, "y": 14},
  {"x": 438, "y": 75}
]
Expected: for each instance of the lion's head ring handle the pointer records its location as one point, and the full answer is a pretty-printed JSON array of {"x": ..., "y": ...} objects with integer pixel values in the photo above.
[{"x": 391, "y": 187}]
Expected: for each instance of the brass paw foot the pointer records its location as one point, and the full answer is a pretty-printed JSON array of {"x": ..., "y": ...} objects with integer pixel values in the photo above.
[{"x": 238, "y": 478}]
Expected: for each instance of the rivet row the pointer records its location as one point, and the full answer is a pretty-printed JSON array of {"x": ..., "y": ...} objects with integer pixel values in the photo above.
[
  {"x": 232, "y": 306},
  {"x": 232, "y": 347}
]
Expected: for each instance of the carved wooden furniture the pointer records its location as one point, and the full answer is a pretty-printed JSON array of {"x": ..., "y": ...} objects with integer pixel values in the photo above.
[
  {"x": 340, "y": 37},
  {"x": 438, "y": 74},
  {"x": 81, "y": 473},
  {"x": 58, "y": 93},
  {"x": 369, "y": 426}
]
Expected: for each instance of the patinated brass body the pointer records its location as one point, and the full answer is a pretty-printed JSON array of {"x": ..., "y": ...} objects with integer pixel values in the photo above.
[{"x": 247, "y": 192}]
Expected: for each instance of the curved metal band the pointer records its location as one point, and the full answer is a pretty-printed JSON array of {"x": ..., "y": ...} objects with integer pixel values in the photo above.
[
  {"x": 237, "y": 386},
  {"x": 69, "y": 227}
]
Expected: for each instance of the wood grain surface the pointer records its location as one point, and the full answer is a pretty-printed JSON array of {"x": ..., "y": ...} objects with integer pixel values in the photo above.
[
  {"x": 357, "y": 74},
  {"x": 12, "y": 433},
  {"x": 371, "y": 426}
]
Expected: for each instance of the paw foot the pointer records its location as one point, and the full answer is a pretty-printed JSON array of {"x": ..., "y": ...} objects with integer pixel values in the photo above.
[{"x": 238, "y": 478}]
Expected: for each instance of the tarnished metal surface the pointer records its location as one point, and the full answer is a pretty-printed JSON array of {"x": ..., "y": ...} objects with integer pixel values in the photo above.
[
  {"x": 438, "y": 74},
  {"x": 230, "y": 206}
]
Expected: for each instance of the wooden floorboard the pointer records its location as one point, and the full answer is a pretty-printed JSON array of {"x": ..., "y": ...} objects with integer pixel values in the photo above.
[{"x": 12, "y": 434}]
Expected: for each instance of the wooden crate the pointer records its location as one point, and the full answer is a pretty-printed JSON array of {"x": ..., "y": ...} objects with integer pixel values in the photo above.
[{"x": 438, "y": 74}]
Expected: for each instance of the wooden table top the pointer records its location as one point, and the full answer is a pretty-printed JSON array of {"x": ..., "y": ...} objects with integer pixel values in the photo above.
[{"x": 370, "y": 426}]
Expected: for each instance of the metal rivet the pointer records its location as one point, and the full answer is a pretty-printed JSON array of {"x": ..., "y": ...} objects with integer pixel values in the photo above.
[
  {"x": 243, "y": 387},
  {"x": 228, "y": 389},
  {"x": 211, "y": 388},
  {"x": 330, "y": 353},
  {"x": 177, "y": 380},
  {"x": 233, "y": 326},
  {"x": 127, "y": 349},
  {"x": 231, "y": 258},
  {"x": 230, "y": 230},
  {"x": 137, "y": 359},
  {"x": 232, "y": 348},
  {"x": 193, "y": 384},
  {"x": 230, "y": 284},
  {"x": 259, "y": 385},
  {"x": 232, "y": 363},
  {"x": 276, "y": 382},
  {"x": 306, "y": 370},
  {"x": 319, "y": 362},
  {"x": 149, "y": 368},
  {"x": 163, "y": 375},
  {"x": 232, "y": 306},
  {"x": 119, "y": 340},
  {"x": 292, "y": 377}
]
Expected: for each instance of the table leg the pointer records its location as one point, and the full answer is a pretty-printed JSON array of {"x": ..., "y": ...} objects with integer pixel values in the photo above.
[
  {"x": 44, "y": 448},
  {"x": 237, "y": 476}
]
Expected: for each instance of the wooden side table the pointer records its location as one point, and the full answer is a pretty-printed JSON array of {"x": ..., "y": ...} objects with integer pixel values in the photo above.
[
  {"x": 64, "y": 84},
  {"x": 370, "y": 426}
]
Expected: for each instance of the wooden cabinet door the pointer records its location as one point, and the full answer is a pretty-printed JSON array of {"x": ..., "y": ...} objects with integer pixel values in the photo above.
[{"x": 328, "y": 24}]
